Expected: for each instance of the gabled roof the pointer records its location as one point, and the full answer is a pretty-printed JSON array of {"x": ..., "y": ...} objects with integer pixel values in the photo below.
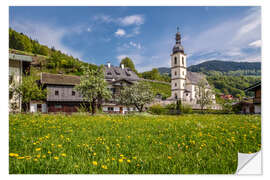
[
  {"x": 59, "y": 79},
  {"x": 194, "y": 78},
  {"x": 19, "y": 57},
  {"x": 117, "y": 73}
]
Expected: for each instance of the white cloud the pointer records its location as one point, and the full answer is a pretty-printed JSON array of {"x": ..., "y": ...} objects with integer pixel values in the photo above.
[
  {"x": 46, "y": 34},
  {"x": 256, "y": 44},
  {"x": 120, "y": 32},
  {"x": 132, "y": 20},
  {"x": 89, "y": 29},
  {"x": 229, "y": 39},
  {"x": 136, "y": 45}
]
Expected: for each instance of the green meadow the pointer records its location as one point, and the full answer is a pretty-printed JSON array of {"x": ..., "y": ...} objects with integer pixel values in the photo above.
[{"x": 131, "y": 144}]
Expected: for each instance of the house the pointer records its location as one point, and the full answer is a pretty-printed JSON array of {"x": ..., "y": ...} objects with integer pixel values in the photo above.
[
  {"x": 19, "y": 65},
  {"x": 184, "y": 84},
  {"x": 62, "y": 97},
  {"x": 256, "y": 88},
  {"x": 226, "y": 96}
]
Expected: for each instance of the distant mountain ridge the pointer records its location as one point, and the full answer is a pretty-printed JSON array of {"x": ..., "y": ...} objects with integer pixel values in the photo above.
[{"x": 221, "y": 66}]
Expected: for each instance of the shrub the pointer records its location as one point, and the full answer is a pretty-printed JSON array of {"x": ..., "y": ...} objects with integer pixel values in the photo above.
[
  {"x": 186, "y": 109},
  {"x": 158, "y": 109}
]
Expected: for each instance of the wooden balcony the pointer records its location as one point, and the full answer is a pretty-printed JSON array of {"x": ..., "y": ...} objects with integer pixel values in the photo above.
[{"x": 256, "y": 100}]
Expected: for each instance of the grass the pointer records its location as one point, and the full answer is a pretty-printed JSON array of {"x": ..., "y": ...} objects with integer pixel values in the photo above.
[{"x": 54, "y": 144}]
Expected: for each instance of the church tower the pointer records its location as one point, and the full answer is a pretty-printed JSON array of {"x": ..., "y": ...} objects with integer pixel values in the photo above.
[{"x": 178, "y": 68}]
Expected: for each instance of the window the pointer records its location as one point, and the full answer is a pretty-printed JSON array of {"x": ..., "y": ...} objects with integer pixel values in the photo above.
[
  {"x": 175, "y": 60},
  {"x": 183, "y": 61},
  {"x": 56, "y": 93},
  {"x": 175, "y": 84},
  {"x": 175, "y": 96},
  {"x": 186, "y": 94},
  {"x": 175, "y": 73},
  {"x": 58, "y": 106},
  {"x": 110, "y": 108},
  {"x": 73, "y": 93},
  {"x": 183, "y": 73},
  {"x": 109, "y": 73}
]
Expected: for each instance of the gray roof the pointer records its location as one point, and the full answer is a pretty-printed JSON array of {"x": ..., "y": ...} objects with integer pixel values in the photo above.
[
  {"x": 19, "y": 57},
  {"x": 117, "y": 73},
  {"x": 194, "y": 78}
]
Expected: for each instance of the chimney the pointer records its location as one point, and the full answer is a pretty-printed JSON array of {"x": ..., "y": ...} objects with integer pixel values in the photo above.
[
  {"x": 109, "y": 64},
  {"x": 122, "y": 66}
]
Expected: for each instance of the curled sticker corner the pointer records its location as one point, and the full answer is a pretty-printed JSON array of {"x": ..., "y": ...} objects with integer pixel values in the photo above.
[{"x": 249, "y": 163}]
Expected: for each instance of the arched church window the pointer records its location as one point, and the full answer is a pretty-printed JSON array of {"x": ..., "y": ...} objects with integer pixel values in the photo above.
[
  {"x": 183, "y": 61},
  {"x": 175, "y": 73},
  {"x": 175, "y": 60},
  {"x": 175, "y": 84}
]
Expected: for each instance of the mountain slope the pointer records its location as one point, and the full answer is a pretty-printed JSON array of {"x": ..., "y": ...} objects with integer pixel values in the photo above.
[{"x": 225, "y": 66}]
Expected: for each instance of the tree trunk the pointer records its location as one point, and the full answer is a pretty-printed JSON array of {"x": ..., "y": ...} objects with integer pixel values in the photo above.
[{"x": 93, "y": 107}]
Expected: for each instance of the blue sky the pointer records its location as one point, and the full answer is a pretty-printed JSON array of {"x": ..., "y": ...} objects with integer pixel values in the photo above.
[{"x": 145, "y": 34}]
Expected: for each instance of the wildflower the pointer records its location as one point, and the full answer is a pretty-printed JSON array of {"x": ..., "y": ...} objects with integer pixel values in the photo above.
[
  {"x": 120, "y": 160},
  {"x": 104, "y": 167},
  {"x": 43, "y": 156},
  {"x": 49, "y": 152},
  {"x": 113, "y": 159},
  {"x": 95, "y": 154},
  {"x": 76, "y": 166},
  {"x": 134, "y": 157},
  {"x": 13, "y": 155},
  {"x": 38, "y": 149},
  {"x": 63, "y": 154},
  {"x": 59, "y": 145},
  {"x": 20, "y": 157},
  {"x": 56, "y": 158},
  {"x": 121, "y": 155},
  {"x": 94, "y": 163},
  {"x": 35, "y": 159},
  {"x": 169, "y": 157},
  {"x": 38, "y": 156},
  {"x": 128, "y": 161},
  {"x": 27, "y": 157}
]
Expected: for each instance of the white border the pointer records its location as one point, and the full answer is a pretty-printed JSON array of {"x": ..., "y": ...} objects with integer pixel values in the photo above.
[{"x": 265, "y": 73}]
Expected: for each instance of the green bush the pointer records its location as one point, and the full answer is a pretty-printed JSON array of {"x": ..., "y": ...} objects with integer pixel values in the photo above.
[
  {"x": 186, "y": 109},
  {"x": 157, "y": 109}
]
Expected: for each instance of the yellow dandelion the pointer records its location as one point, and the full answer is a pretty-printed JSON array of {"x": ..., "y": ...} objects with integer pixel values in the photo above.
[
  {"x": 56, "y": 158},
  {"x": 35, "y": 159},
  {"x": 76, "y": 166},
  {"x": 38, "y": 149},
  {"x": 113, "y": 159},
  {"x": 20, "y": 157},
  {"x": 121, "y": 155},
  {"x": 128, "y": 161},
  {"x": 94, "y": 163},
  {"x": 13, "y": 154},
  {"x": 49, "y": 152},
  {"x": 27, "y": 157},
  {"x": 169, "y": 157},
  {"x": 43, "y": 156},
  {"x": 95, "y": 154},
  {"x": 104, "y": 167},
  {"x": 134, "y": 157},
  {"x": 63, "y": 154},
  {"x": 120, "y": 160},
  {"x": 38, "y": 156},
  {"x": 59, "y": 145}
]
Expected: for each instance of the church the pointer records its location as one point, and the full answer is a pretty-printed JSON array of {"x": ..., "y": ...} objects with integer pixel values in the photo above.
[{"x": 184, "y": 84}]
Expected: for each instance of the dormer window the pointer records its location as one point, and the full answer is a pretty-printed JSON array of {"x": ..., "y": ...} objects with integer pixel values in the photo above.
[
  {"x": 109, "y": 73},
  {"x": 73, "y": 93},
  {"x": 175, "y": 60},
  {"x": 56, "y": 93}
]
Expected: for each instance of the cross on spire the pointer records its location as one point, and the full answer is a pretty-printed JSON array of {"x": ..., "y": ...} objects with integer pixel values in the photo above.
[{"x": 178, "y": 36}]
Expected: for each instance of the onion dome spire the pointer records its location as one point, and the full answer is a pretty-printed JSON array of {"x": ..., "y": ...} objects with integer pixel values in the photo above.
[{"x": 178, "y": 47}]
